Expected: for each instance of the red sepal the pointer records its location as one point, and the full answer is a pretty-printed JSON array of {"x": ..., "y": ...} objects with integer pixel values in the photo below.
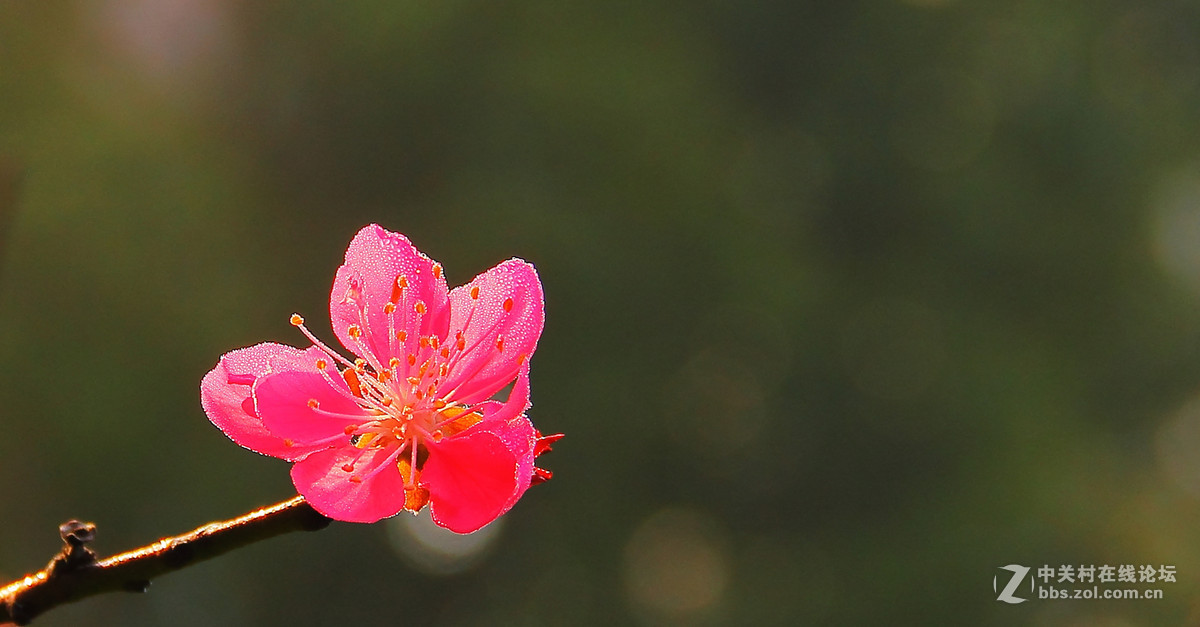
[
  {"x": 540, "y": 475},
  {"x": 544, "y": 441}
]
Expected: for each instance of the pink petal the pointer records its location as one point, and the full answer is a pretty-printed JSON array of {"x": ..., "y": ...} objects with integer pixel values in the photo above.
[
  {"x": 322, "y": 481},
  {"x": 364, "y": 285},
  {"x": 225, "y": 394},
  {"x": 519, "y": 435},
  {"x": 510, "y": 308},
  {"x": 507, "y": 421},
  {"x": 304, "y": 408},
  {"x": 472, "y": 479},
  {"x": 517, "y": 403}
]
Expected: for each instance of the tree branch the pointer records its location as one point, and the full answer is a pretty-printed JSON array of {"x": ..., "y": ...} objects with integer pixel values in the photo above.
[{"x": 75, "y": 573}]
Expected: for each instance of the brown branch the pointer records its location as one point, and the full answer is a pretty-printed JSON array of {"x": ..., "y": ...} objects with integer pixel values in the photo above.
[{"x": 75, "y": 573}]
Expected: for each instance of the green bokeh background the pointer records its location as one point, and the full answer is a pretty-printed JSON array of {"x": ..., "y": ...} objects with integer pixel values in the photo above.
[{"x": 865, "y": 299}]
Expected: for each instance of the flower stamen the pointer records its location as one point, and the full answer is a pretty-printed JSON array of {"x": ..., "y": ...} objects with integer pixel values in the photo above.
[{"x": 298, "y": 322}]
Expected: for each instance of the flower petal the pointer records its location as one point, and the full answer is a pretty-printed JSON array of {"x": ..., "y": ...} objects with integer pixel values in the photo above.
[
  {"x": 322, "y": 481},
  {"x": 377, "y": 263},
  {"x": 519, "y": 435},
  {"x": 475, "y": 477},
  {"x": 517, "y": 403},
  {"x": 305, "y": 408},
  {"x": 500, "y": 327},
  {"x": 225, "y": 394}
]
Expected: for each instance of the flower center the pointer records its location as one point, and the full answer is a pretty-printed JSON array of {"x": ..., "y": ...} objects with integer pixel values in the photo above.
[{"x": 405, "y": 408}]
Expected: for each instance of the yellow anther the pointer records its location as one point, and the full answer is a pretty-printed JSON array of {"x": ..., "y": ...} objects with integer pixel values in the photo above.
[
  {"x": 402, "y": 336},
  {"x": 419, "y": 307},
  {"x": 321, "y": 364},
  {"x": 313, "y": 404},
  {"x": 389, "y": 308},
  {"x": 475, "y": 292},
  {"x": 354, "y": 331},
  {"x": 296, "y": 320},
  {"x": 437, "y": 270}
]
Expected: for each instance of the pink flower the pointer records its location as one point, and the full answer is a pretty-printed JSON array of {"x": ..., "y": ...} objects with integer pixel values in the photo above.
[{"x": 410, "y": 421}]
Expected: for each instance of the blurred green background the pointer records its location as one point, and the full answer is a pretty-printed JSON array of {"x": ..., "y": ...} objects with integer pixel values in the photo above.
[{"x": 848, "y": 303}]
